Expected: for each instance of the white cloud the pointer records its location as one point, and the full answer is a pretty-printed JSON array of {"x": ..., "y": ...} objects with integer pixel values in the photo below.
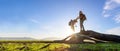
[
  {"x": 111, "y": 9},
  {"x": 117, "y": 18},
  {"x": 108, "y": 5},
  {"x": 111, "y": 4},
  {"x": 34, "y": 21},
  {"x": 106, "y": 15},
  {"x": 115, "y": 31},
  {"x": 117, "y": 1}
]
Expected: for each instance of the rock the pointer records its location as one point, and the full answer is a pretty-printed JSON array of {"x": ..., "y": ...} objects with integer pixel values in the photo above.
[{"x": 102, "y": 36}]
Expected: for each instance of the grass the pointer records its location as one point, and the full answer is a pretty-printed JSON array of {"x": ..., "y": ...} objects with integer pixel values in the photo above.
[
  {"x": 23, "y": 46},
  {"x": 96, "y": 47}
]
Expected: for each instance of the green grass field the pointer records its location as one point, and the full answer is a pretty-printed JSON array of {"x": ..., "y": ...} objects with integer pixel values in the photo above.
[{"x": 57, "y": 46}]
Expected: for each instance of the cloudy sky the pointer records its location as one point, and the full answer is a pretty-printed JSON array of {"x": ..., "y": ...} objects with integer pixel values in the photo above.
[{"x": 49, "y": 18}]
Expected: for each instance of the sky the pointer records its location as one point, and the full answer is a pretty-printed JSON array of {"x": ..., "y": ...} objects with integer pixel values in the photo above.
[{"x": 49, "y": 18}]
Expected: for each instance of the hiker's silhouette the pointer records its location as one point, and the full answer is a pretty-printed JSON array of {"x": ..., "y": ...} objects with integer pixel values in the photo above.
[
  {"x": 82, "y": 18},
  {"x": 72, "y": 23}
]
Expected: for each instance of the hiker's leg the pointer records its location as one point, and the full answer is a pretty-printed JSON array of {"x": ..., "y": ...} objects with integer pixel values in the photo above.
[
  {"x": 72, "y": 27},
  {"x": 83, "y": 27},
  {"x": 80, "y": 25}
]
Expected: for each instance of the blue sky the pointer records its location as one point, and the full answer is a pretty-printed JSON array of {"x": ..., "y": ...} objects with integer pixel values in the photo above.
[{"x": 49, "y": 18}]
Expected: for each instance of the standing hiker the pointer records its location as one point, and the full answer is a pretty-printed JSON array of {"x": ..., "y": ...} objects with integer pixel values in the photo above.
[{"x": 82, "y": 18}]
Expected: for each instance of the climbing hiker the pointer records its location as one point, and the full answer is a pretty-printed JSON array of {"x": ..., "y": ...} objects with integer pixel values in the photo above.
[{"x": 72, "y": 23}]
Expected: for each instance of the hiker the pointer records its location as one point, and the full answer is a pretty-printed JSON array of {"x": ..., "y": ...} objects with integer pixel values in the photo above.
[
  {"x": 72, "y": 23},
  {"x": 82, "y": 18}
]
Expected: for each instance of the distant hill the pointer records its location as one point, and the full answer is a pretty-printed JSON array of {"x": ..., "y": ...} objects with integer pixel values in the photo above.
[
  {"x": 51, "y": 38},
  {"x": 16, "y": 38}
]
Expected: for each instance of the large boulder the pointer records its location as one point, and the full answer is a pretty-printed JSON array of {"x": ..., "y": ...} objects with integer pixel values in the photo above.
[{"x": 102, "y": 36}]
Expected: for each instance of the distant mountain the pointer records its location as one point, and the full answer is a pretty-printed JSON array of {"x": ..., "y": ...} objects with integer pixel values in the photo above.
[
  {"x": 16, "y": 38},
  {"x": 51, "y": 38}
]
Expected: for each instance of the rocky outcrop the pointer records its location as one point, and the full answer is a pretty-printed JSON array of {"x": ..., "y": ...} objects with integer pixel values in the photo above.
[
  {"x": 102, "y": 36},
  {"x": 91, "y": 35}
]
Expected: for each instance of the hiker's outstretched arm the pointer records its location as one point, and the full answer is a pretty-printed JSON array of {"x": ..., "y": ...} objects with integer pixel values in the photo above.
[{"x": 77, "y": 18}]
